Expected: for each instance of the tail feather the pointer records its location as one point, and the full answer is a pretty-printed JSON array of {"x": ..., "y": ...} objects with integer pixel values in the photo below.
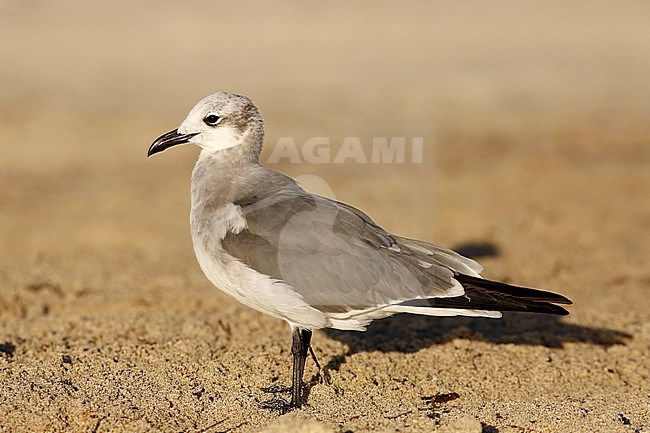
[{"x": 481, "y": 294}]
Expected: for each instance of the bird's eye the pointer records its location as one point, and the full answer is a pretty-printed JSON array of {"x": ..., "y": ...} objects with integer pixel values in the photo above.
[{"x": 211, "y": 119}]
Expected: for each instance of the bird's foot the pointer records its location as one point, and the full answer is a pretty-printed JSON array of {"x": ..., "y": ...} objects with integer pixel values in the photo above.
[
  {"x": 318, "y": 378},
  {"x": 321, "y": 376},
  {"x": 276, "y": 404}
]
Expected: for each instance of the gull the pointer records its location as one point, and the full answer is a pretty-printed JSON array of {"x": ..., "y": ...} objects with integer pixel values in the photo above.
[{"x": 309, "y": 260}]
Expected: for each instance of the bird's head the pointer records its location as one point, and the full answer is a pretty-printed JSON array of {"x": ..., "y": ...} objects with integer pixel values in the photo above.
[{"x": 219, "y": 121}]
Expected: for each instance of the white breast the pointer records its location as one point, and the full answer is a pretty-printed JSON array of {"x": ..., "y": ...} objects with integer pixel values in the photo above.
[{"x": 235, "y": 278}]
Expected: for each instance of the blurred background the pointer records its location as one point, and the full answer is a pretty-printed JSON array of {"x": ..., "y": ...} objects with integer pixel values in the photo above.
[
  {"x": 86, "y": 86},
  {"x": 534, "y": 118}
]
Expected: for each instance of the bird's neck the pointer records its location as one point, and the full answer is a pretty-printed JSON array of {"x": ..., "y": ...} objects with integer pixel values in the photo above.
[
  {"x": 216, "y": 182},
  {"x": 216, "y": 175}
]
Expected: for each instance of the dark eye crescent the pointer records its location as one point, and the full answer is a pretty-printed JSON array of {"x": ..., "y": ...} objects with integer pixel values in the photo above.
[{"x": 211, "y": 119}]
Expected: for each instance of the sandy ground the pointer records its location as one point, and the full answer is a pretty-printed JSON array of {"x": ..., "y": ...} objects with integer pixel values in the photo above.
[{"x": 537, "y": 156}]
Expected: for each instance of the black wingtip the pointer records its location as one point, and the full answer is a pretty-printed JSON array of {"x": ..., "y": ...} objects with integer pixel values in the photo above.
[{"x": 517, "y": 291}]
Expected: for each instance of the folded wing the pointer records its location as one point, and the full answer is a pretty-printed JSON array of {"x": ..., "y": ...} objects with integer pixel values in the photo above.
[{"x": 342, "y": 263}]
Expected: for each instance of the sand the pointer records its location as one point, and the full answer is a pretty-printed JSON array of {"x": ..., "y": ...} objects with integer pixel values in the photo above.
[{"x": 536, "y": 161}]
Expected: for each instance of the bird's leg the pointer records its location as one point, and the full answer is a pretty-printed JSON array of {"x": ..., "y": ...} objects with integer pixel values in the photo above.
[
  {"x": 299, "y": 349},
  {"x": 313, "y": 356},
  {"x": 319, "y": 376}
]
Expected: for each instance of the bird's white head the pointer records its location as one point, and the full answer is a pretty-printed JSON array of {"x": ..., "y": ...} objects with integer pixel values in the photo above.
[{"x": 220, "y": 121}]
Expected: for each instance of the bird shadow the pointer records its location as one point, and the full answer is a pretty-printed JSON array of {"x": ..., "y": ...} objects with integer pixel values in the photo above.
[
  {"x": 408, "y": 334},
  {"x": 477, "y": 250}
]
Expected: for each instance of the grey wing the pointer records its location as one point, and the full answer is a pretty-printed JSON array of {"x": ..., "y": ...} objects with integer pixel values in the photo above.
[
  {"x": 426, "y": 250},
  {"x": 336, "y": 257}
]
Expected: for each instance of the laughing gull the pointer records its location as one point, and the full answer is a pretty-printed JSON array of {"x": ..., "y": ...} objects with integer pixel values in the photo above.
[{"x": 315, "y": 262}]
